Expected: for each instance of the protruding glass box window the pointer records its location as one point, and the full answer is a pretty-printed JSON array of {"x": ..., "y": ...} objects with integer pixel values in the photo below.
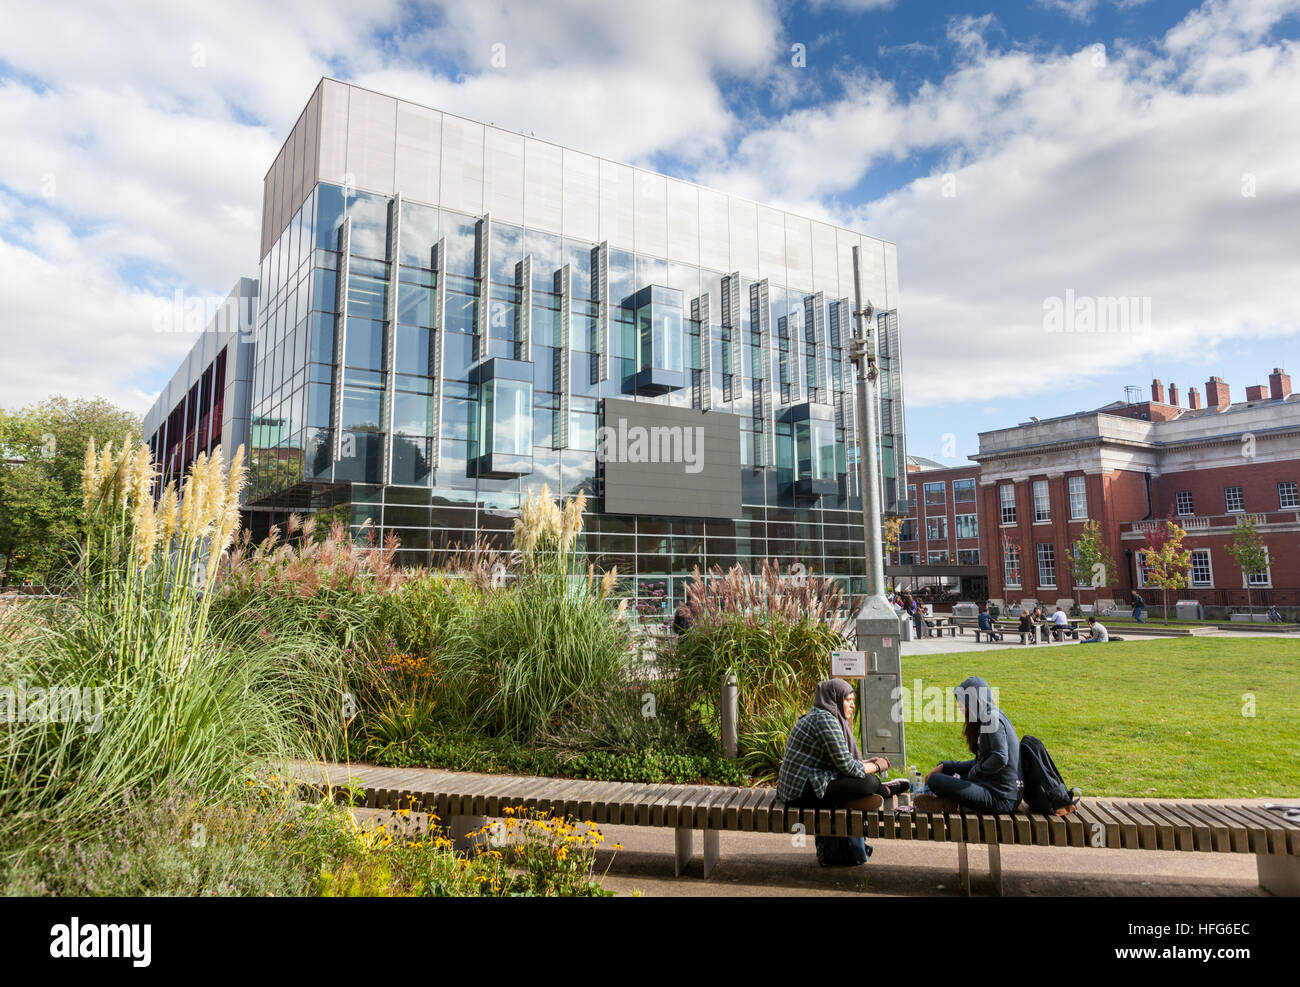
[
  {"x": 816, "y": 472},
  {"x": 503, "y": 439},
  {"x": 658, "y": 363}
]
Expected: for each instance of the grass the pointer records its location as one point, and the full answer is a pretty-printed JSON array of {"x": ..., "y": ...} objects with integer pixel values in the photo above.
[{"x": 1150, "y": 719}]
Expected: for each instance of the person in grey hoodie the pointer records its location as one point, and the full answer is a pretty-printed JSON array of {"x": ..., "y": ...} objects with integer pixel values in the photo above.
[{"x": 990, "y": 782}]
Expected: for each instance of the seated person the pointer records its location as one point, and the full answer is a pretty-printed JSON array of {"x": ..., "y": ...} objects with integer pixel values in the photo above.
[
  {"x": 1060, "y": 624},
  {"x": 1026, "y": 625},
  {"x": 990, "y": 781},
  {"x": 1039, "y": 619},
  {"x": 822, "y": 767},
  {"x": 1096, "y": 632},
  {"x": 986, "y": 624}
]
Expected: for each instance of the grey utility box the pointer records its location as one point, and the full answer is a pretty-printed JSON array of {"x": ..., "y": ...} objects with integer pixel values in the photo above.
[
  {"x": 882, "y": 724},
  {"x": 1189, "y": 610}
]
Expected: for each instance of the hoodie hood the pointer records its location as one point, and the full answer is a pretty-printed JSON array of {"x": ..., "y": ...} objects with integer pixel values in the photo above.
[{"x": 976, "y": 698}]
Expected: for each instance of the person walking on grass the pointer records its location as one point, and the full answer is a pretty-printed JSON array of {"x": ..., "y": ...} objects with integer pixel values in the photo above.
[{"x": 990, "y": 781}]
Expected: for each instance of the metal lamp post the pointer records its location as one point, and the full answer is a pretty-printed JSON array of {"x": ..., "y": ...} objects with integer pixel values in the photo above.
[{"x": 877, "y": 623}]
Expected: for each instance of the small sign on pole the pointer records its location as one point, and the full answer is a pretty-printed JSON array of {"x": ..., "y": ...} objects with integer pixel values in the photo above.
[{"x": 848, "y": 664}]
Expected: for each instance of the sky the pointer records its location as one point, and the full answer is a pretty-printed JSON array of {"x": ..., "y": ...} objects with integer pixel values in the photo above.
[{"x": 1085, "y": 194}]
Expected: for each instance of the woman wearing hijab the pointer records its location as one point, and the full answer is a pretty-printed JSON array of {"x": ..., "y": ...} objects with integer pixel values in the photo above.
[
  {"x": 822, "y": 767},
  {"x": 990, "y": 782}
]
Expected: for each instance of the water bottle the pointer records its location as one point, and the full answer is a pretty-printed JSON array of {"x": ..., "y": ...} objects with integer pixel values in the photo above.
[{"x": 914, "y": 776}]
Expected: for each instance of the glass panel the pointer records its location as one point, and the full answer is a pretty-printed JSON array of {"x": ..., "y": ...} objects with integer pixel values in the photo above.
[
  {"x": 419, "y": 233},
  {"x": 365, "y": 344},
  {"x": 412, "y": 413},
  {"x": 683, "y": 223},
  {"x": 412, "y": 350},
  {"x": 508, "y": 416},
  {"x": 362, "y": 408},
  {"x": 651, "y": 214},
  {"x": 507, "y": 251}
]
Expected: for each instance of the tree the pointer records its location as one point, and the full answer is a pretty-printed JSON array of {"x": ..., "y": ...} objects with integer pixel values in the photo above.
[
  {"x": 1248, "y": 551},
  {"x": 1168, "y": 564},
  {"x": 42, "y": 448},
  {"x": 892, "y": 526},
  {"x": 1093, "y": 566}
]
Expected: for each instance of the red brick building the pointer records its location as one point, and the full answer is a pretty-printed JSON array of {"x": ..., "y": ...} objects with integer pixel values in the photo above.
[
  {"x": 1130, "y": 465},
  {"x": 939, "y": 543}
]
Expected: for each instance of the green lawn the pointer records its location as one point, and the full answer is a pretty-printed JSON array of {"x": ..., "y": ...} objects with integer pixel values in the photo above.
[{"x": 1146, "y": 719}]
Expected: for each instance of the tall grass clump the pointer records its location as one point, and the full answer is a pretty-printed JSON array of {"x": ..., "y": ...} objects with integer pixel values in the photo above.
[
  {"x": 773, "y": 631},
  {"x": 549, "y": 640},
  {"x": 129, "y": 689}
]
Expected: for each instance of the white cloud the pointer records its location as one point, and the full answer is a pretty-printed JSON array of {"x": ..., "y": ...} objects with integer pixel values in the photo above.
[{"x": 1111, "y": 178}]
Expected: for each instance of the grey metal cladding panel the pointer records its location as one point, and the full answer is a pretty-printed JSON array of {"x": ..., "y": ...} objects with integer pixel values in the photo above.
[
  {"x": 600, "y": 274},
  {"x": 704, "y": 484},
  {"x": 524, "y": 281},
  {"x": 700, "y": 314},
  {"x": 439, "y": 263}
]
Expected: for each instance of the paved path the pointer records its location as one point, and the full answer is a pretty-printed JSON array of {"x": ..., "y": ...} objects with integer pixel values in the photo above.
[{"x": 966, "y": 642}]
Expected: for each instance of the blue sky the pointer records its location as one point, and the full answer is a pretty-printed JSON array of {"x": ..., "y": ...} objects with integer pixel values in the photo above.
[{"x": 1015, "y": 152}]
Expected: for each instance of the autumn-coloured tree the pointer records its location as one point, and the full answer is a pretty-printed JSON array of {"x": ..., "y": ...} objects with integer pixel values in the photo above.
[{"x": 892, "y": 526}]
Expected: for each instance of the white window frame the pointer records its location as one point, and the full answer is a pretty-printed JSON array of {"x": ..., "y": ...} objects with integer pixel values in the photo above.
[
  {"x": 1010, "y": 553},
  {"x": 1209, "y": 567},
  {"x": 943, "y": 518},
  {"x": 1007, "y": 505},
  {"x": 1043, "y": 516},
  {"x": 1039, "y": 558},
  {"x": 1078, "y": 487},
  {"x": 1241, "y": 499},
  {"x": 975, "y": 525},
  {"x": 974, "y": 561},
  {"x": 941, "y": 561},
  {"x": 907, "y": 558},
  {"x": 1267, "y": 574},
  {"x": 902, "y": 529},
  {"x": 1282, "y": 505},
  {"x": 943, "y": 492},
  {"x": 1141, "y": 569},
  {"x": 967, "y": 484},
  {"x": 1178, "y": 503}
]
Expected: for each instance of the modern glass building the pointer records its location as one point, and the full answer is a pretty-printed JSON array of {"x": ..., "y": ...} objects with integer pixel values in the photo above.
[{"x": 445, "y": 306}]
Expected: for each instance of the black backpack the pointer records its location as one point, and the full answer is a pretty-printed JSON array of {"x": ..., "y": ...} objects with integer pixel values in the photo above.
[{"x": 1045, "y": 790}]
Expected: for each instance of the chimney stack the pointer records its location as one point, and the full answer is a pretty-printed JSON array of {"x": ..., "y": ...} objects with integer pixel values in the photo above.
[
  {"x": 1279, "y": 384},
  {"x": 1173, "y": 394},
  {"x": 1216, "y": 393},
  {"x": 1157, "y": 392},
  {"x": 1194, "y": 399},
  {"x": 1255, "y": 392}
]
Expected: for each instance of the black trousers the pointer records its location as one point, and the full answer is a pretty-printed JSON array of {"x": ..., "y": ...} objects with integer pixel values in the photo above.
[{"x": 843, "y": 789}]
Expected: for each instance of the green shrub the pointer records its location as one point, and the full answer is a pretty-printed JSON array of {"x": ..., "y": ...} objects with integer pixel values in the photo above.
[
  {"x": 549, "y": 641},
  {"x": 762, "y": 741}
]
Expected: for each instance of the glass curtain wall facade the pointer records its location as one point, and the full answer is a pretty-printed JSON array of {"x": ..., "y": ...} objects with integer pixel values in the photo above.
[{"x": 445, "y": 305}]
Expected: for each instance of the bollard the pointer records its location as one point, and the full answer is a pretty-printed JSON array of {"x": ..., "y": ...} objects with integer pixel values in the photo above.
[{"x": 730, "y": 717}]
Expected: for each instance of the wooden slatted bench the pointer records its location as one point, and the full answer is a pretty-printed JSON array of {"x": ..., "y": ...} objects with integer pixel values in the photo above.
[{"x": 466, "y": 801}]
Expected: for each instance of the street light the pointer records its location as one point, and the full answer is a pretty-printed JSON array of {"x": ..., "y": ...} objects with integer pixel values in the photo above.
[{"x": 877, "y": 623}]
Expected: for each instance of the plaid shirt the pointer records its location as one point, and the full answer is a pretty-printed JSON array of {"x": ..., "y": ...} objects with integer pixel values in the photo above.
[{"x": 816, "y": 752}]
